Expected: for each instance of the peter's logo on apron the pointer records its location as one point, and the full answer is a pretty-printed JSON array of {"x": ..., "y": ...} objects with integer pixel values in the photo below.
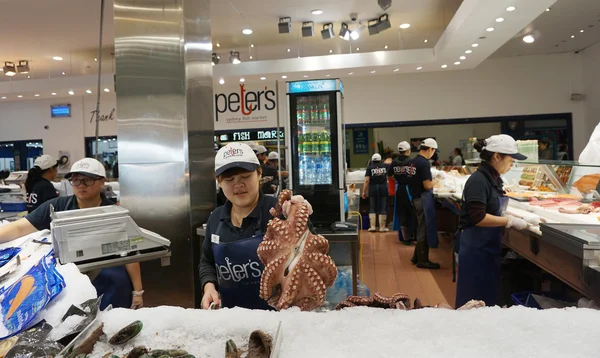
[{"x": 237, "y": 273}]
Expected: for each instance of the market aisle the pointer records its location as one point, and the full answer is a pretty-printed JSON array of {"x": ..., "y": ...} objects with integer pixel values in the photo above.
[{"x": 387, "y": 269}]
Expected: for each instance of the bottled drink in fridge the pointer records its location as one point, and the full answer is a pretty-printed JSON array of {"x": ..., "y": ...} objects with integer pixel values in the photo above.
[
  {"x": 302, "y": 166},
  {"x": 325, "y": 143},
  {"x": 314, "y": 110},
  {"x": 300, "y": 111},
  {"x": 306, "y": 143},
  {"x": 324, "y": 110},
  {"x": 300, "y": 143},
  {"x": 316, "y": 141},
  {"x": 310, "y": 171}
]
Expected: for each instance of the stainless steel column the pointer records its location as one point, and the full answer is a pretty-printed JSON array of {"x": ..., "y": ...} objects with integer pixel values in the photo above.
[{"x": 165, "y": 129}]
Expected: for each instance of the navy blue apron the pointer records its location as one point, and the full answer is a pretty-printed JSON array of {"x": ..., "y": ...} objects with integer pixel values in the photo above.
[
  {"x": 239, "y": 271},
  {"x": 115, "y": 287},
  {"x": 396, "y": 221},
  {"x": 479, "y": 258},
  {"x": 430, "y": 218}
]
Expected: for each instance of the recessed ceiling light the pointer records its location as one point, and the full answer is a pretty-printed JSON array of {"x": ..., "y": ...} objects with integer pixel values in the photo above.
[
  {"x": 457, "y": 63},
  {"x": 489, "y": 29},
  {"x": 106, "y": 90},
  {"x": 71, "y": 93},
  {"x": 396, "y": 70},
  {"x": 250, "y": 57},
  {"x": 372, "y": 71},
  {"x": 358, "y": 49},
  {"x": 511, "y": 8},
  {"x": 251, "y": 45},
  {"x": 288, "y": 50},
  {"x": 221, "y": 81},
  {"x": 95, "y": 59},
  {"x": 425, "y": 40},
  {"x": 284, "y": 76},
  {"x": 53, "y": 93},
  {"x": 327, "y": 75},
  {"x": 317, "y": 12},
  {"x": 20, "y": 96},
  {"x": 263, "y": 78},
  {"x": 28, "y": 76},
  {"x": 242, "y": 79},
  {"x": 469, "y": 51},
  {"x": 63, "y": 73},
  {"x": 3, "y": 97},
  {"x": 500, "y": 19},
  {"x": 548, "y": 9},
  {"x": 581, "y": 31},
  {"x": 305, "y": 76},
  {"x": 404, "y": 26},
  {"x": 247, "y": 31},
  {"x": 385, "y": 47},
  {"x": 350, "y": 73},
  {"x": 330, "y": 51},
  {"x": 463, "y": 57},
  {"x": 36, "y": 95},
  {"x": 57, "y": 58},
  {"x": 444, "y": 66},
  {"x": 572, "y": 36},
  {"x": 88, "y": 91},
  {"x": 218, "y": 44},
  {"x": 474, "y": 45},
  {"x": 528, "y": 39},
  {"x": 419, "y": 68}
]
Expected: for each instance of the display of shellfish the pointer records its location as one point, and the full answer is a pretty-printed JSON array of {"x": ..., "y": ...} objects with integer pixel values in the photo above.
[{"x": 126, "y": 334}]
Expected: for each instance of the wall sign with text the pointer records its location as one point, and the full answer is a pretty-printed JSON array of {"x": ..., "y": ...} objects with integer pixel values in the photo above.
[
  {"x": 361, "y": 141},
  {"x": 250, "y": 135},
  {"x": 243, "y": 106}
]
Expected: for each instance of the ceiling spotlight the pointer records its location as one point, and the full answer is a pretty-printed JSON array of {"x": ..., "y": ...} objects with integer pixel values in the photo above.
[
  {"x": 327, "y": 31},
  {"x": 317, "y": 12},
  {"x": 528, "y": 39},
  {"x": 285, "y": 25},
  {"x": 457, "y": 63},
  {"x": 419, "y": 68},
  {"x": 263, "y": 78},
  {"x": 385, "y": 47},
  {"x": 221, "y": 81},
  {"x": 28, "y": 76},
  {"x": 88, "y": 91},
  {"x": 356, "y": 33},
  {"x": 247, "y": 31},
  {"x": 444, "y": 66},
  {"x": 489, "y": 29},
  {"x": 3, "y": 97},
  {"x": 344, "y": 32},
  {"x": 234, "y": 57},
  {"x": 581, "y": 31},
  {"x": 396, "y": 70},
  {"x": 218, "y": 44},
  {"x": 463, "y": 57},
  {"x": 327, "y": 75},
  {"x": 284, "y": 77},
  {"x": 63, "y": 73},
  {"x": 36, "y": 95},
  {"x": 251, "y": 45},
  {"x": 288, "y": 50},
  {"x": 215, "y": 59},
  {"x": 500, "y": 19},
  {"x": 350, "y": 73},
  {"x": 305, "y": 76},
  {"x": 95, "y": 60},
  {"x": 404, "y": 26},
  {"x": 474, "y": 45},
  {"x": 511, "y": 8},
  {"x": 9, "y": 69},
  {"x": 330, "y": 51},
  {"x": 308, "y": 29},
  {"x": 548, "y": 9},
  {"x": 572, "y": 36},
  {"x": 71, "y": 93},
  {"x": 426, "y": 41},
  {"x": 23, "y": 67},
  {"x": 358, "y": 49},
  {"x": 384, "y": 23},
  {"x": 20, "y": 96},
  {"x": 469, "y": 51},
  {"x": 106, "y": 90},
  {"x": 373, "y": 71},
  {"x": 53, "y": 93},
  {"x": 57, "y": 58},
  {"x": 251, "y": 57},
  {"x": 242, "y": 79}
]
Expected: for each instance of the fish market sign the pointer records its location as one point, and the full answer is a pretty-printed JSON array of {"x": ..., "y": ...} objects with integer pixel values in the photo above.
[
  {"x": 246, "y": 107},
  {"x": 251, "y": 135}
]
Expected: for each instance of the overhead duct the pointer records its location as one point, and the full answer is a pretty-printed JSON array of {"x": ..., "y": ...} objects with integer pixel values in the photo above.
[
  {"x": 285, "y": 25},
  {"x": 327, "y": 31},
  {"x": 308, "y": 29}
]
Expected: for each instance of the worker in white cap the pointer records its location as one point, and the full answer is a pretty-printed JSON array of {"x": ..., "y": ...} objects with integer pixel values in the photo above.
[
  {"x": 261, "y": 154},
  {"x": 404, "y": 210},
  {"x": 119, "y": 286},
  {"x": 270, "y": 178},
  {"x": 421, "y": 186},
  {"x": 38, "y": 185},
  {"x": 376, "y": 188}
]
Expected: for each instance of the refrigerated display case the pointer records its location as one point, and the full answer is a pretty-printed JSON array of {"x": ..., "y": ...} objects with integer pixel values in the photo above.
[{"x": 316, "y": 147}]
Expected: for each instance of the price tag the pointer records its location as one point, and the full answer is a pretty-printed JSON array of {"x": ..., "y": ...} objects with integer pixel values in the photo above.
[{"x": 215, "y": 239}]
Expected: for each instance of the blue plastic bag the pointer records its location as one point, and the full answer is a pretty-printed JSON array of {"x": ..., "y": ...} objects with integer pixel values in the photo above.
[
  {"x": 346, "y": 203},
  {"x": 24, "y": 299},
  {"x": 7, "y": 254}
]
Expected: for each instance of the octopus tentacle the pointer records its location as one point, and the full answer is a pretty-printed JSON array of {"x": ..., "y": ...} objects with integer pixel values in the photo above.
[
  {"x": 271, "y": 276},
  {"x": 324, "y": 266}
]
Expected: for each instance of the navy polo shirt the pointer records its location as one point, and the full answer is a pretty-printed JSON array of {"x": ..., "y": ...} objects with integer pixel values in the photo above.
[
  {"x": 484, "y": 187},
  {"x": 40, "y": 217},
  {"x": 400, "y": 169},
  {"x": 41, "y": 192},
  {"x": 377, "y": 173},
  {"x": 420, "y": 170}
]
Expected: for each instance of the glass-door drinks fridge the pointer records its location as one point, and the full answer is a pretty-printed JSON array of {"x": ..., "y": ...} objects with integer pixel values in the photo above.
[{"x": 316, "y": 147}]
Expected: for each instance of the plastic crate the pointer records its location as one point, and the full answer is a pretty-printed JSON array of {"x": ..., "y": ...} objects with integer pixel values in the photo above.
[
  {"x": 526, "y": 299},
  {"x": 13, "y": 207}
]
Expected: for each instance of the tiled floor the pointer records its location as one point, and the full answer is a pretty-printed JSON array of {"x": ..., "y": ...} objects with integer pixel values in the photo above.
[{"x": 386, "y": 268}]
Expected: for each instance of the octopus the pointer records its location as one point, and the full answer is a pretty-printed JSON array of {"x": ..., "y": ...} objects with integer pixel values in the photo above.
[
  {"x": 297, "y": 268},
  {"x": 398, "y": 301},
  {"x": 583, "y": 209}
]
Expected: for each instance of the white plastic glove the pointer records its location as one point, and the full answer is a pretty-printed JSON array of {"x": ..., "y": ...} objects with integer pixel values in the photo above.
[
  {"x": 532, "y": 219},
  {"x": 516, "y": 223},
  {"x": 296, "y": 199}
]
